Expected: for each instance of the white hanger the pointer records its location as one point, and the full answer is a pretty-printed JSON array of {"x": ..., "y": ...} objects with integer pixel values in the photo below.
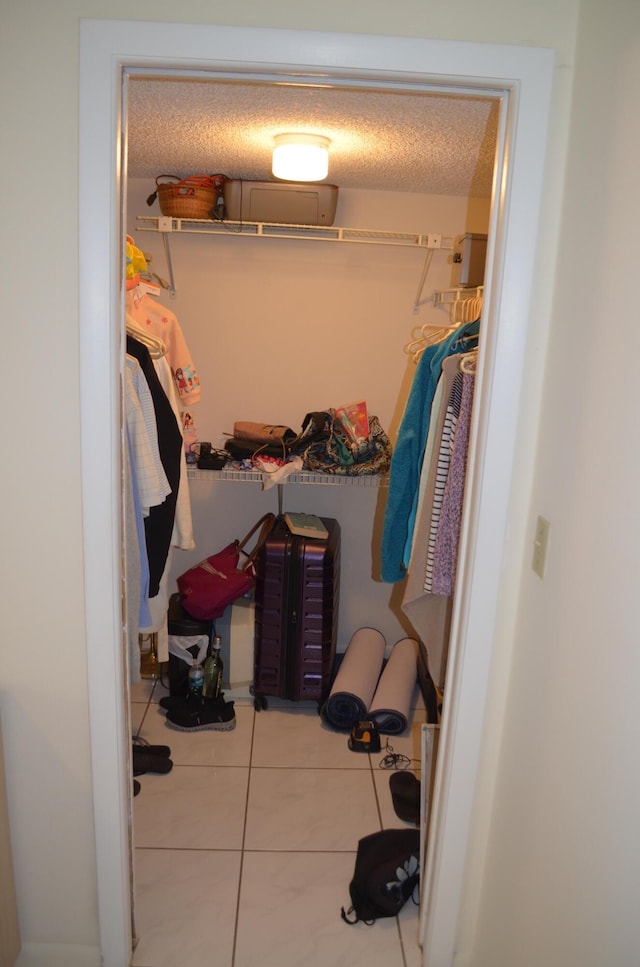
[
  {"x": 156, "y": 347},
  {"x": 466, "y": 309},
  {"x": 429, "y": 335},
  {"x": 469, "y": 361}
]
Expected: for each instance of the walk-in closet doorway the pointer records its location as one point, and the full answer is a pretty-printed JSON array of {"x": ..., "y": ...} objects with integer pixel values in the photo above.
[{"x": 521, "y": 78}]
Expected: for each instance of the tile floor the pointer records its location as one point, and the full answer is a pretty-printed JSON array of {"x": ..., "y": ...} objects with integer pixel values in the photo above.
[{"x": 245, "y": 850}]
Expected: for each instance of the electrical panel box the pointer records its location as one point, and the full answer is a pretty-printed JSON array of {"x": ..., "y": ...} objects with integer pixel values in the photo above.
[
  {"x": 469, "y": 257},
  {"x": 287, "y": 203}
]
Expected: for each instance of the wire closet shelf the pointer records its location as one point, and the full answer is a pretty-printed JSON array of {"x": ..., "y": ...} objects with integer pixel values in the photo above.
[{"x": 235, "y": 475}]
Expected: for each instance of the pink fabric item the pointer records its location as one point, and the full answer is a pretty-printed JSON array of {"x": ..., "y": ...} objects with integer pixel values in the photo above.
[{"x": 151, "y": 316}]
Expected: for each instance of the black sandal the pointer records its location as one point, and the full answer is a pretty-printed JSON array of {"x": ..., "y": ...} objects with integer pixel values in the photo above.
[
  {"x": 405, "y": 795},
  {"x": 145, "y": 762},
  {"x": 140, "y": 744}
]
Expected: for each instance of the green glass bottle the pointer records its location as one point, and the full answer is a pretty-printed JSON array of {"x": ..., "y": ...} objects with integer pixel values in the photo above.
[{"x": 213, "y": 668}]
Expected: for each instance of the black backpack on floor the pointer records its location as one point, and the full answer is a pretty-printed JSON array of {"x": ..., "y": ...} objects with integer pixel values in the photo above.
[{"x": 387, "y": 872}]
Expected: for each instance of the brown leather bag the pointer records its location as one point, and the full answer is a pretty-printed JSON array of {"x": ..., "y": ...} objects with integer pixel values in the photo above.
[{"x": 263, "y": 433}]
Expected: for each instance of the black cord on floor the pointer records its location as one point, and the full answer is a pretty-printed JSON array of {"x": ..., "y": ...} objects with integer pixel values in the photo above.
[{"x": 395, "y": 760}]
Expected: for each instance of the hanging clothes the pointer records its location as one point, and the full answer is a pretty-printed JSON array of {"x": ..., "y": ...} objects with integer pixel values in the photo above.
[
  {"x": 160, "y": 520},
  {"x": 159, "y": 508},
  {"x": 445, "y": 555},
  {"x": 145, "y": 485},
  {"x": 427, "y": 599},
  {"x": 406, "y": 463},
  {"x": 152, "y": 485},
  {"x": 438, "y": 471},
  {"x": 182, "y": 533},
  {"x": 137, "y": 565},
  {"x": 150, "y": 315}
]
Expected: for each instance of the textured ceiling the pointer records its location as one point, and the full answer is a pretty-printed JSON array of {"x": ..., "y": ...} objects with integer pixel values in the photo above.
[{"x": 427, "y": 142}]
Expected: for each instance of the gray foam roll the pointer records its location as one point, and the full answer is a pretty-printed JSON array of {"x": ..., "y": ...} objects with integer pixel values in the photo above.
[
  {"x": 391, "y": 705},
  {"x": 355, "y": 683}
]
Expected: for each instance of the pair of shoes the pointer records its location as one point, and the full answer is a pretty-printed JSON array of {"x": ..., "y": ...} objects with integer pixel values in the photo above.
[
  {"x": 141, "y": 745},
  {"x": 147, "y": 762},
  {"x": 171, "y": 701},
  {"x": 178, "y": 701},
  {"x": 198, "y": 715},
  {"x": 136, "y": 787},
  {"x": 150, "y": 758}
]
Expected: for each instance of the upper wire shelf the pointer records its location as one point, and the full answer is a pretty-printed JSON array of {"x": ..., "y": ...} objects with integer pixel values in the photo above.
[
  {"x": 203, "y": 226},
  {"x": 460, "y": 293},
  {"x": 464, "y": 302},
  {"x": 167, "y": 226}
]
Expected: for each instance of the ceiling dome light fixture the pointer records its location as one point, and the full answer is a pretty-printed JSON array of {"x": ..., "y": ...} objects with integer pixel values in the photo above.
[{"x": 300, "y": 157}]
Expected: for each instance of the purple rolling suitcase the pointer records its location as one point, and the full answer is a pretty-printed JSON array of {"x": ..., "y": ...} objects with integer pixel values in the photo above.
[{"x": 296, "y": 614}]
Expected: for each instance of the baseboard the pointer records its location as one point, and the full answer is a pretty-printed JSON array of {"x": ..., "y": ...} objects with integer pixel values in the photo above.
[{"x": 58, "y": 955}]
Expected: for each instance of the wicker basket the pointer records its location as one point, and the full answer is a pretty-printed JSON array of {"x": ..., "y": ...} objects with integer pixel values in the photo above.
[{"x": 187, "y": 198}]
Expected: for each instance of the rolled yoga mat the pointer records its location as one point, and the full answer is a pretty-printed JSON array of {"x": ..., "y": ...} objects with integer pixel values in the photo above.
[
  {"x": 390, "y": 706},
  {"x": 356, "y": 680}
]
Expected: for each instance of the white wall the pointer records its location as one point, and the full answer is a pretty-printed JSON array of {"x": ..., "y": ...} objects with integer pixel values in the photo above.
[
  {"x": 279, "y": 328},
  {"x": 43, "y": 689},
  {"x": 282, "y": 327},
  {"x": 563, "y": 878}
]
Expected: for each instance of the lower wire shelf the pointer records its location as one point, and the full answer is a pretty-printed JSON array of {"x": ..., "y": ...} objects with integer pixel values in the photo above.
[{"x": 234, "y": 475}]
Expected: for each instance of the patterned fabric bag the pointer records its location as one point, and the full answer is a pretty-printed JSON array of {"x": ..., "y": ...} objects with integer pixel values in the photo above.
[{"x": 337, "y": 454}]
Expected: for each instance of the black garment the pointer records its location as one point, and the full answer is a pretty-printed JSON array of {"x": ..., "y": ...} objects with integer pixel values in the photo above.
[{"x": 158, "y": 526}]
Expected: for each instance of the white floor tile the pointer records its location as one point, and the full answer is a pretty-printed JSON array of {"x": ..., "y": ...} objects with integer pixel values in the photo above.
[
  {"x": 308, "y": 800},
  {"x": 298, "y": 738},
  {"x": 202, "y": 748},
  {"x": 310, "y": 809},
  {"x": 192, "y": 807},
  {"x": 289, "y": 915},
  {"x": 185, "y": 907},
  {"x": 409, "y": 921}
]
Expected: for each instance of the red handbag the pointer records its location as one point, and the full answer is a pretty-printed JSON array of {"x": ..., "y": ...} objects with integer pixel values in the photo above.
[{"x": 207, "y": 588}]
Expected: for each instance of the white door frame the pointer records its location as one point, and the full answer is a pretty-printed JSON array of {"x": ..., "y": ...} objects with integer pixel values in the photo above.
[{"x": 524, "y": 76}]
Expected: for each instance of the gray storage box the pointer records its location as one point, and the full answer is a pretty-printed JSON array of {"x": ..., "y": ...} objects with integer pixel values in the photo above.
[
  {"x": 285, "y": 203},
  {"x": 469, "y": 257}
]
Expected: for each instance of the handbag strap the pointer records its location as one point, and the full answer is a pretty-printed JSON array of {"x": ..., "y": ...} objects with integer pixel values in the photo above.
[{"x": 264, "y": 526}]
